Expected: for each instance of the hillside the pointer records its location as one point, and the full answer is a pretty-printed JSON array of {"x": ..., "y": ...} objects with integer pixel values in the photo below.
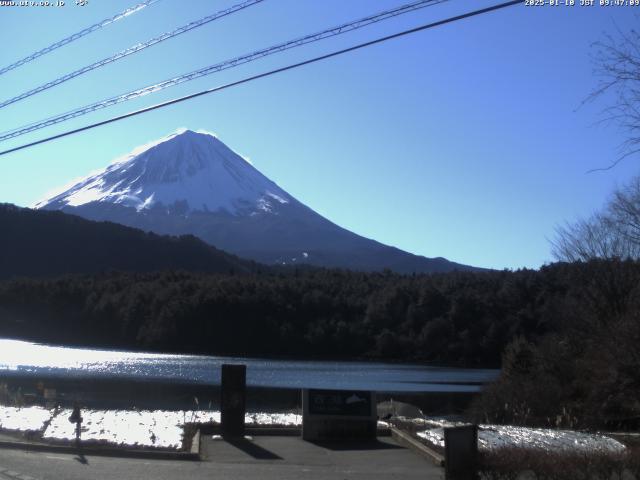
[{"x": 43, "y": 243}]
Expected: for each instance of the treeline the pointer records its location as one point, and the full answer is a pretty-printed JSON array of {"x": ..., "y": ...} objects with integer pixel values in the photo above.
[
  {"x": 585, "y": 371},
  {"x": 566, "y": 336},
  {"x": 459, "y": 318}
]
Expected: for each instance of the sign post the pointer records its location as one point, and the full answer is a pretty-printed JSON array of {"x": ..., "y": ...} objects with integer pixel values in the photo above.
[
  {"x": 76, "y": 417},
  {"x": 338, "y": 415},
  {"x": 233, "y": 400}
]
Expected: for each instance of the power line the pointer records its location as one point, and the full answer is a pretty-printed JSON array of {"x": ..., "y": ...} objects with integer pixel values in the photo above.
[
  {"x": 131, "y": 50},
  {"x": 231, "y": 63},
  {"x": 269, "y": 73},
  {"x": 80, "y": 34}
]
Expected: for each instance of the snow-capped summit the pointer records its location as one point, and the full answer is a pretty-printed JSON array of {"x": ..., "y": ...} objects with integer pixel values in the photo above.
[
  {"x": 193, "y": 170},
  {"x": 192, "y": 183}
]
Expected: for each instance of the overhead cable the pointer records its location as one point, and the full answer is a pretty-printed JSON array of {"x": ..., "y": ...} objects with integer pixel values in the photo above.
[
  {"x": 234, "y": 62},
  {"x": 267, "y": 74},
  {"x": 131, "y": 50},
  {"x": 77, "y": 35}
]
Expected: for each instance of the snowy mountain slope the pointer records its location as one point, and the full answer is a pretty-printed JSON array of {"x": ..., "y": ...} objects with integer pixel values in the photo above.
[
  {"x": 191, "y": 183},
  {"x": 189, "y": 168}
]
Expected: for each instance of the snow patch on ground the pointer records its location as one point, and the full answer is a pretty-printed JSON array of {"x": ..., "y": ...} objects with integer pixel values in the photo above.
[
  {"x": 277, "y": 197},
  {"x": 491, "y": 437},
  {"x": 136, "y": 428},
  {"x": 28, "y": 419},
  {"x": 121, "y": 427},
  {"x": 281, "y": 419}
]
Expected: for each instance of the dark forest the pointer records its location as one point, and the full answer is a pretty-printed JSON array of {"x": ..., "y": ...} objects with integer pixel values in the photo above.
[{"x": 566, "y": 334}]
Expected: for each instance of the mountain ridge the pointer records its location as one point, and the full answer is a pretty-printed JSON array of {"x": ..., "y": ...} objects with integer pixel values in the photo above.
[
  {"x": 192, "y": 183},
  {"x": 38, "y": 243}
]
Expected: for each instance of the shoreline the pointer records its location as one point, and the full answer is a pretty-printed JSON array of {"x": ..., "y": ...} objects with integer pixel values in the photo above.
[
  {"x": 247, "y": 356},
  {"x": 127, "y": 393}
]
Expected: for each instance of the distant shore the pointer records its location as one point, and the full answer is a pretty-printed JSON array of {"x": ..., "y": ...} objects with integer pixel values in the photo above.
[{"x": 123, "y": 393}]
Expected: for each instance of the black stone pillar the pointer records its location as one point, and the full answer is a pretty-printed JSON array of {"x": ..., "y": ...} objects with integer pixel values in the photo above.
[
  {"x": 233, "y": 400},
  {"x": 461, "y": 452}
]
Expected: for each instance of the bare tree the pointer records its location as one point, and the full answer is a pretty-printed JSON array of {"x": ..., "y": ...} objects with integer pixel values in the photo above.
[
  {"x": 612, "y": 233},
  {"x": 617, "y": 65},
  {"x": 624, "y": 211},
  {"x": 585, "y": 239}
]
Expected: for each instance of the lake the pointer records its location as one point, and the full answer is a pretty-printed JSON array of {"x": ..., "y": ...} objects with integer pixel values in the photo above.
[{"x": 20, "y": 358}]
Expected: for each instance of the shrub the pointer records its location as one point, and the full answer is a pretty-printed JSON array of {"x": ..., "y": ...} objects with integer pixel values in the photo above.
[{"x": 510, "y": 463}]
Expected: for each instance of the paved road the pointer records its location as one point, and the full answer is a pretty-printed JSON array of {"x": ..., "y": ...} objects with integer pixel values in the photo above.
[{"x": 263, "y": 458}]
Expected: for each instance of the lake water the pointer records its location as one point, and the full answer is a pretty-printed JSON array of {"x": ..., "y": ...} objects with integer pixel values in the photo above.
[{"x": 19, "y": 358}]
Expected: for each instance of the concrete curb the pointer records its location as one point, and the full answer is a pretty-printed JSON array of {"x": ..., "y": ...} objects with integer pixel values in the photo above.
[
  {"x": 192, "y": 455},
  {"x": 103, "y": 451},
  {"x": 195, "y": 444},
  {"x": 418, "y": 447}
]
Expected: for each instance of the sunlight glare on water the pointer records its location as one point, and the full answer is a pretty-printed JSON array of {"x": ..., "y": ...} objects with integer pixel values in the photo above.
[
  {"x": 16, "y": 355},
  {"x": 26, "y": 358}
]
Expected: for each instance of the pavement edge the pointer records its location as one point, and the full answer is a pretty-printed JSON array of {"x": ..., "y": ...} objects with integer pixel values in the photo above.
[
  {"x": 193, "y": 455},
  {"x": 407, "y": 440}
]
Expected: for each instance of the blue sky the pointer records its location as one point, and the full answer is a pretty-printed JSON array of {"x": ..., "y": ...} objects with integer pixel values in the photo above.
[{"x": 464, "y": 141}]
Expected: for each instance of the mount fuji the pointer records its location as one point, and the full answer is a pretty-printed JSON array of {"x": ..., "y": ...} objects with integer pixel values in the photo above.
[{"x": 192, "y": 183}]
